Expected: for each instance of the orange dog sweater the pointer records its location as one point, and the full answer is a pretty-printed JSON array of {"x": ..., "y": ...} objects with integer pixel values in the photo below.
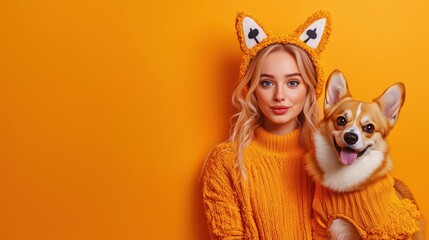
[{"x": 375, "y": 211}]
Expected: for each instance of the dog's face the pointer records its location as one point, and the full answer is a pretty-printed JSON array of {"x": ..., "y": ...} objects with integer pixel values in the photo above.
[
  {"x": 350, "y": 143},
  {"x": 357, "y": 128}
]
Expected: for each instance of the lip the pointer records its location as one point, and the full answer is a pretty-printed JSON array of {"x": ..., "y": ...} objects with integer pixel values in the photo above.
[{"x": 280, "y": 110}]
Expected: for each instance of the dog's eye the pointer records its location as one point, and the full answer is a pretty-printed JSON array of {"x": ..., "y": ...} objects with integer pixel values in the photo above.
[
  {"x": 341, "y": 121},
  {"x": 369, "y": 128}
]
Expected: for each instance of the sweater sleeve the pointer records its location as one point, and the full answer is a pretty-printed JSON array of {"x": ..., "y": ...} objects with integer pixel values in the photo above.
[{"x": 220, "y": 200}]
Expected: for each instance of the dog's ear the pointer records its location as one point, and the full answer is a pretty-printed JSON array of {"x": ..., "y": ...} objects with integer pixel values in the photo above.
[
  {"x": 391, "y": 101},
  {"x": 336, "y": 89}
]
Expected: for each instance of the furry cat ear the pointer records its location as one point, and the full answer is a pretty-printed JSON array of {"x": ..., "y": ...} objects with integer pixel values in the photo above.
[
  {"x": 336, "y": 89},
  {"x": 315, "y": 31},
  {"x": 312, "y": 37},
  {"x": 249, "y": 31},
  {"x": 391, "y": 102}
]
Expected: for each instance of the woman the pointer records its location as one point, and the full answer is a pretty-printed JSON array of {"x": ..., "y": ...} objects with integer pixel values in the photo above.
[{"x": 255, "y": 186}]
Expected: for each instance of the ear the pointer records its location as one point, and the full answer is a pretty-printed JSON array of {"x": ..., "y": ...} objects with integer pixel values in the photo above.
[
  {"x": 249, "y": 31},
  {"x": 391, "y": 102},
  {"x": 336, "y": 89},
  {"x": 315, "y": 31}
]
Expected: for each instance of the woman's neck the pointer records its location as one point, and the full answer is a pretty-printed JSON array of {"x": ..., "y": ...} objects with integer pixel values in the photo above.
[{"x": 279, "y": 129}]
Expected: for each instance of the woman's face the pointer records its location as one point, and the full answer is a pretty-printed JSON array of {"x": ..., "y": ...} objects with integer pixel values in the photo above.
[{"x": 280, "y": 92}]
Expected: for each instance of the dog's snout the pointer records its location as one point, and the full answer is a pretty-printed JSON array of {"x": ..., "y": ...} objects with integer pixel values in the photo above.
[{"x": 351, "y": 138}]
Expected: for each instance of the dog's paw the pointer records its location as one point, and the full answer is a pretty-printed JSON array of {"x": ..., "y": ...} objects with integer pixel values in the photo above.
[{"x": 343, "y": 230}]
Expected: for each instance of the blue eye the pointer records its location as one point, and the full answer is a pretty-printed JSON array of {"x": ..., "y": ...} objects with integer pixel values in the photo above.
[
  {"x": 293, "y": 83},
  {"x": 266, "y": 83}
]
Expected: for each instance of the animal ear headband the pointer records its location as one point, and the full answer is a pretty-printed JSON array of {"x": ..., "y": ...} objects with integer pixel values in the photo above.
[{"x": 311, "y": 36}]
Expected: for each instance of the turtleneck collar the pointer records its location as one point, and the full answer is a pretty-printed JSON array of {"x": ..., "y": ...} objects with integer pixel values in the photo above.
[{"x": 278, "y": 143}]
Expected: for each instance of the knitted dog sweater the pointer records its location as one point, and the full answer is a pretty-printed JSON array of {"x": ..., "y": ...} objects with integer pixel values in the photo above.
[{"x": 375, "y": 211}]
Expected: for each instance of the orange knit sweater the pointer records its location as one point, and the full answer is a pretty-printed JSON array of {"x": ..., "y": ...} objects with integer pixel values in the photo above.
[
  {"x": 274, "y": 202},
  {"x": 375, "y": 211}
]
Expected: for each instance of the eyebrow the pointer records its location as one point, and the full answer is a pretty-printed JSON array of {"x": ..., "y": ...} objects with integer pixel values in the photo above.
[{"x": 287, "y": 75}]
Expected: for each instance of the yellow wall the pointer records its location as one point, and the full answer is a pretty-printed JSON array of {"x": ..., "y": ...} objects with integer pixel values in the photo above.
[{"x": 108, "y": 108}]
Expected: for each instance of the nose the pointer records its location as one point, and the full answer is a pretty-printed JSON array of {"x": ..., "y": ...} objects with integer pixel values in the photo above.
[
  {"x": 279, "y": 94},
  {"x": 351, "y": 138}
]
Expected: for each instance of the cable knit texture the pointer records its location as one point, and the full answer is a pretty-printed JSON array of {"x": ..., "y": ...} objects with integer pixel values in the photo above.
[
  {"x": 274, "y": 202},
  {"x": 375, "y": 211}
]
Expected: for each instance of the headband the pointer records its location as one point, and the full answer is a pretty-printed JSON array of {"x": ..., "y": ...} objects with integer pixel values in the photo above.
[{"x": 311, "y": 36}]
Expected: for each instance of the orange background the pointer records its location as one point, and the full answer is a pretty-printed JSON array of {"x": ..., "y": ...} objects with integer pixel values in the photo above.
[{"x": 108, "y": 108}]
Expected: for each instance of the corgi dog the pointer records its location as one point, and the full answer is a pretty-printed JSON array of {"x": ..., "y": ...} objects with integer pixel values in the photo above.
[{"x": 355, "y": 196}]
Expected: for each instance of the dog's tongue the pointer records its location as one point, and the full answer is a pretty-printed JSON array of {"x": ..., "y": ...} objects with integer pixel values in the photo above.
[{"x": 348, "y": 157}]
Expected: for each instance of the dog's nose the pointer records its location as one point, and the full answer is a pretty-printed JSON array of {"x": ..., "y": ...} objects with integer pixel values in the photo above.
[{"x": 351, "y": 138}]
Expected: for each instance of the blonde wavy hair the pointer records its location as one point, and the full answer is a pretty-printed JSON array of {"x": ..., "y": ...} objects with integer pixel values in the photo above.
[{"x": 249, "y": 116}]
